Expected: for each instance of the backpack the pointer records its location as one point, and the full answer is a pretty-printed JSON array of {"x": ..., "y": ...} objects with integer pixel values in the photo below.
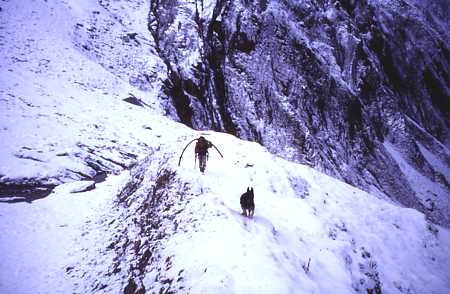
[{"x": 202, "y": 146}]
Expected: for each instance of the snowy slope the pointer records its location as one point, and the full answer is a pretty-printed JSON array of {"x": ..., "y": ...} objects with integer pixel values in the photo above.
[
  {"x": 40, "y": 240},
  {"x": 62, "y": 102},
  {"x": 66, "y": 69},
  {"x": 180, "y": 231},
  {"x": 431, "y": 195},
  {"x": 164, "y": 226}
]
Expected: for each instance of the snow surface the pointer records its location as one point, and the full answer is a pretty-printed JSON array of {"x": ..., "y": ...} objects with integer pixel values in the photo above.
[
  {"x": 354, "y": 239},
  {"x": 429, "y": 192},
  {"x": 39, "y": 240},
  {"x": 60, "y": 101},
  {"x": 62, "y": 105},
  {"x": 350, "y": 236},
  {"x": 437, "y": 164}
]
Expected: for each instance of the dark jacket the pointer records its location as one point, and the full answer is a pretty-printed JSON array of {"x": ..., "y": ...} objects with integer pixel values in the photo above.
[{"x": 202, "y": 146}]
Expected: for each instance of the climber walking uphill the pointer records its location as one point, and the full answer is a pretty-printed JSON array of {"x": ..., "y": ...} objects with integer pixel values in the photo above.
[{"x": 201, "y": 152}]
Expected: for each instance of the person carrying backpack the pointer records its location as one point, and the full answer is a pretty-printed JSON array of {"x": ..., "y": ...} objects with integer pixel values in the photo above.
[{"x": 201, "y": 152}]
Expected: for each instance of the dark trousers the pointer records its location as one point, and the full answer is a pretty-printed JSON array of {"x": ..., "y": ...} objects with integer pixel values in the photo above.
[{"x": 202, "y": 162}]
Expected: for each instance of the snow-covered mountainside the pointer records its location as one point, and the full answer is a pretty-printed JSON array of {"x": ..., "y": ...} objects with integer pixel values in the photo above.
[
  {"x": 161, "y": 228},
  {"x": 92, "y": 199},
  {"x": 324, "y": 83},
  {"x": 67, "y": 72}
]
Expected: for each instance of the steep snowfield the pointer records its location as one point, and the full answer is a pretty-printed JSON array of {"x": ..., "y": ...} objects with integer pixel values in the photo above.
[
  {"x": 65, "y": 70},
  {"x": 430, "y": 193},
  {"x": 96, "y": 241},
  {"x": 355, "y": 241},
  {"x": 63, "y": 114}
]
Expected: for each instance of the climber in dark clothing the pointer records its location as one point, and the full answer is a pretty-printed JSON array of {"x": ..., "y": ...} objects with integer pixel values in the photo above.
[{"x": 201, "y": 152}]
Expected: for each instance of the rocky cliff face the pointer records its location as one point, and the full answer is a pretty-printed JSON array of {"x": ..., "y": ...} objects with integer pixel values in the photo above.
[{"x": 359, "y": 89}]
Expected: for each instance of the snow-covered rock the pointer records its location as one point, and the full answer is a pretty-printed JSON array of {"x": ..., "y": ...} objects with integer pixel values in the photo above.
[
  {"x": 75, "y": 187},
  {"x": 324, "y": 83}
]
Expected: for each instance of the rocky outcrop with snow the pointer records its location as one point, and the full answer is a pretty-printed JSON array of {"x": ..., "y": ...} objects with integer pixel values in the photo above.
[{"x": 325, "y": 83}]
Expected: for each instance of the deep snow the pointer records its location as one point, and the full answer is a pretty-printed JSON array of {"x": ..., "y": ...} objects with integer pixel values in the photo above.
[
  {"x": 40, "y": 241},
  {"x": 355, "y": 241},
  {"x": 62, "y": 108}
]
